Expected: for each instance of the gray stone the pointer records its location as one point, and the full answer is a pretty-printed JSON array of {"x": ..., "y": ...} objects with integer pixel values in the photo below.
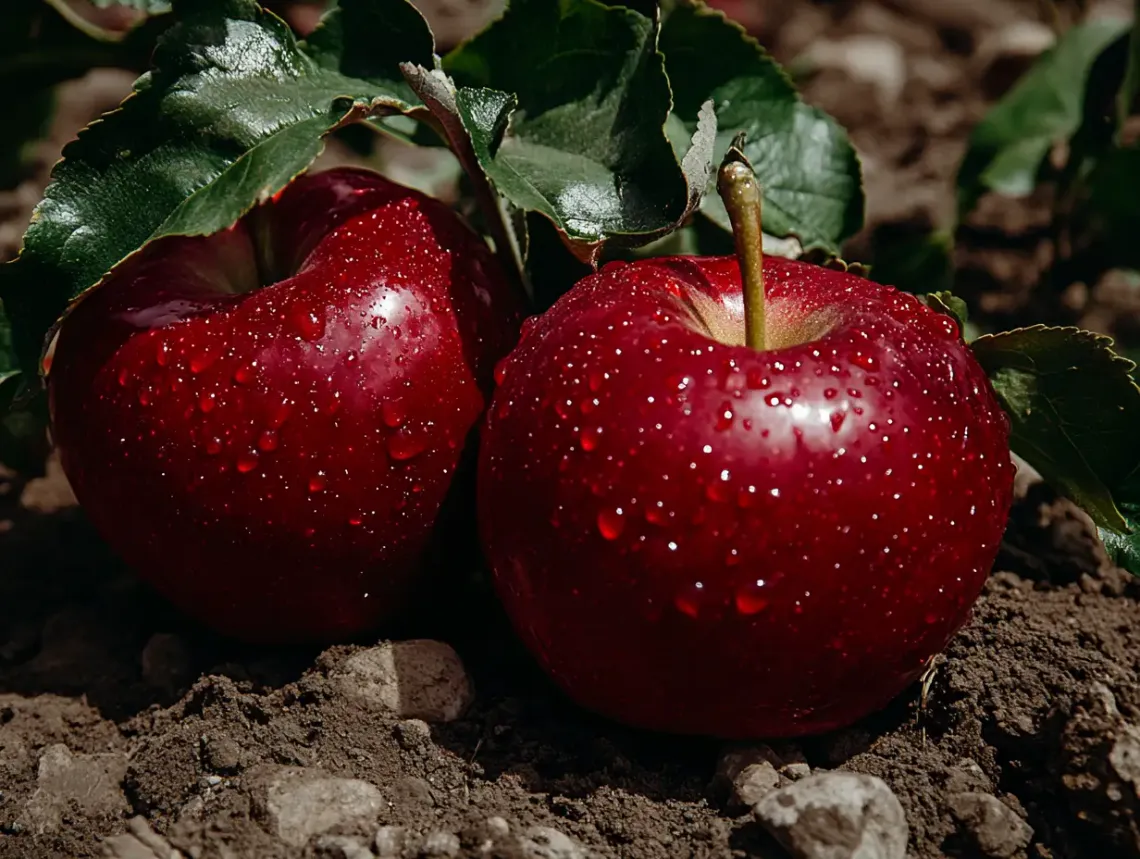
[
  {"x": 836, "y": 815},
  {"x": 444, "y": 845},
  {"x": 418, "y": 679},
  {"x": 752, "y": 784},
  {"x": 497, "y": 827},
  {"x": 413, "y": 733},
  {"x": 389, "y": 842},
  {"x": 221, "y": 754},
  {"x": 141, "y": 842},
  {"x": 994, "y": 827},
  {"x": 64, "y": 780},
  {"x": 341, "y": 847},
  {"x": 543, "y": 842},
  {"x": 296, "y": 803}
]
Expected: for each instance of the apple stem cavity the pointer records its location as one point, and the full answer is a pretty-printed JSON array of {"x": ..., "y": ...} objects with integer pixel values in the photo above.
[{"x": 738, "y": 188}]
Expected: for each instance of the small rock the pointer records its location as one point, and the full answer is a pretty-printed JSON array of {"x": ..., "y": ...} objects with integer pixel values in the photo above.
[
  {"x": 166, "y": 662},
  {"x": 141, "y": 842},
  {"x": 297, "y": 803},
  {"x": 412, "y": 733},
  {"x": 341, "y": 847},
  {"x": 836, "y": 815},
  {"x": 221, "y": 754},
  {"x": 389, "y": 842},
  {"x": 412, "y": 792},
  {"x": 1099, "y": 761},
  {"x": 440, "y": 844},
  {"x": 497, "y": 827},
  {"x": 997, "y": 831},
  {"x": 543, "y": 842},
  {"x": 417, "y": 679},
  {"x": 89, "y": 783},
  {"x": 870, "y": 58},
  {"x": 795, "y": 771},
  {"x": 752, "y": 784}
]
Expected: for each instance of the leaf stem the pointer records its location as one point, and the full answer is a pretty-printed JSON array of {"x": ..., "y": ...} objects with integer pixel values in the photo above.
[{"x": 738, "y": 188}]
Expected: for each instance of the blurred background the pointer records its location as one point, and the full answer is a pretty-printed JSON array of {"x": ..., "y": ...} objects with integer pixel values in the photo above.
[{"x": 909, "y": 79}]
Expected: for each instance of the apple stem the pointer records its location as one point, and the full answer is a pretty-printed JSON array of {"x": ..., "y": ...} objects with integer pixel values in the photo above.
[{"x": 738, "y": 188}]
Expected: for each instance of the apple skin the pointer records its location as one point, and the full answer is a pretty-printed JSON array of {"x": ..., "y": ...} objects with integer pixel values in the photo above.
[
  {"x": 709, "y": 539},
  {"x": 274, "y": 460}
]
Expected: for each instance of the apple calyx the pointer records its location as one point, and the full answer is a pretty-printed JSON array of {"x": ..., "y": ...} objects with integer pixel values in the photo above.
[{"x": 740, "y": 191}]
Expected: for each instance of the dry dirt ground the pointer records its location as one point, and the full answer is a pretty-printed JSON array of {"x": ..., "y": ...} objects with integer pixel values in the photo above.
[{"x": 127, "y": 730}]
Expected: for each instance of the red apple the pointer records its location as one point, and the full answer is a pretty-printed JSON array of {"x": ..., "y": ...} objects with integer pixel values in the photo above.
[
  {"x": 697, "y": 536},
  {"x": 265, "y": 422}
]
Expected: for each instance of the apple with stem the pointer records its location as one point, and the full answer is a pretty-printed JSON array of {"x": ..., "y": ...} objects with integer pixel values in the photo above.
[
  {"x": 740, "y": 497},
  {"x": 267, "y": 422}
]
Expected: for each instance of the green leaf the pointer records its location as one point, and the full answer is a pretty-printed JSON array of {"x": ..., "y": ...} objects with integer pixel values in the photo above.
[
  {"x": 948, "y": 303},
  {"x": 806, "y": 165},
  {"x": 1124, "y": 549},
  {"x": 913, "y": 259},
  {"x": 1009, "y": 146},
  {"x": 1074, "y": 409},
  {"x": 233, "y": 110},
  {"x": 565, "y": 105}
]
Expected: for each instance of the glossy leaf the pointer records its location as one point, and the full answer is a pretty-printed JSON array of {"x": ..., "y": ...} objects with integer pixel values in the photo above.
[
  {"x": 806, "y": 165},
  {"x": 1074, "y": 409},
  {"x": 177, "y": 158},
  {"x": 565, "y": 105},
  {"x": 1008, "y": 147}
]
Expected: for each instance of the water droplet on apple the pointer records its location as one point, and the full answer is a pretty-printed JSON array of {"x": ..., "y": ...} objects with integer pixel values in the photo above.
[
  {"x": 206, "y": 402},
  {"x": 611, "y": 522},
  {"x": 404, "y": 445},
  {"x": 305, "y": 323},
  {"x": 594, "y": 380},
  {"x": 144, "y": 397},
  {"x": 751, "y": 598},
  {"x": 655, "y": 513},
  {"x": 589, "y": 438},
  {"x": 837, "y": 418},
  {"x": 830, "y": 393},
  {"x": 243, "y": 375},
  {"x": 392, "y": 413},
  {"x": 247, "y": 462},
  {"x": 501, "y": 369},
  {"x": 862, "y": 359},
  {"x": 124, "y": 375},
  {"x": 562, "y": 409},
  {"x": 267, "y": 441},
  {"x": 756, "y": 380},
  {"x": 724, "y": 417},
  {"x": 214, "y": 446},
  {"x": 200, "y": 362},
  {"x": 689, "y": 600},
  {"x": 317, "y": 482},
  {"x": 280, "y": 414},
  {"x": 162, "y": 355},
  {"x": 732, "y": 558},
  {"x": 355, "y": 521}
]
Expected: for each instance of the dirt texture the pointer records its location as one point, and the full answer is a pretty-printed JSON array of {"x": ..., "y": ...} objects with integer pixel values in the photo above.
[{"x": 127, "y": 730}]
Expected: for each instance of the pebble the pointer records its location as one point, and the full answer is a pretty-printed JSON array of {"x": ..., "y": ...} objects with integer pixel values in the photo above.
[
  {"x": 443, "y": 845},
  {"x": 412, "y": 733},
  {"x": 389, "y": 842},
  {"x": 66, "y": 782},
  {"x": 140, "y": 842},
  {"x": 341, "y": 847},
  {"x": 544, "y": 842},
  {"x": 297, "y": 803},
  {"x": 497, "y": 827},
  {"x": 221, "y": 754},
  {"x": 417, "y": 679},
  {"x": 993, "y": 826},
  {"x": 836, "y": 815},
  {"x": 752, "y": 784}
]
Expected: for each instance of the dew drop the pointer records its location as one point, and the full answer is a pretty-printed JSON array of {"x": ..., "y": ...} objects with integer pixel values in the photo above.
[
  {"x": 611, "y": 522},
  {"x": 862, "y": 359},
  {"x": 214, "y": 446},
  {"x": 317, "y": 482},
  {"x": 688, "y": 601},
  {"x": 124, "y": 375},
  {"x": 830, "y": 394},
  {"x": 247, "y": 462},
  {"x": 200, "y": 362},
  {"x": 501, "y": 370},
  {"x": 749, "y": 600},
  {"x": 306, "y": 324},
  {"x": 144, "y": 397},
  {"x": 402, "y": 445},
  {"x": 589, "y": 438},
  {"x": 243, "y": 375},
  {"x": 837, "y": 418},
  {"x": 594, "y": 380},
  {"x": 280, "y": 414},
  {"x": 724, "y": 417},
  {"x": 206, "y": 402},
  {"x": 162, "y": 355},
  {"x": 267, "y": 441},
  {"x": 392, "y": 413},
  {"x": 655, "y": 513},
  {"x": 355, "y": 521}
]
